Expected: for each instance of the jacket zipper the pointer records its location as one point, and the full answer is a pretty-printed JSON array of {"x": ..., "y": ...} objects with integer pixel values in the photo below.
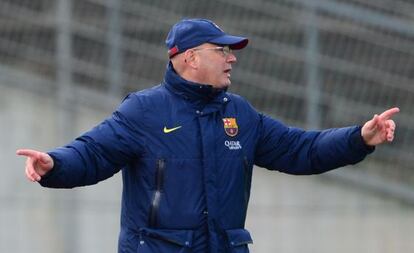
[{"x": 159, "y": 182}]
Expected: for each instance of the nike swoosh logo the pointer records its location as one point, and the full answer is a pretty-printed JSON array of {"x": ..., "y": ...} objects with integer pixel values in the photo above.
[{"x": 169, "y": 130}]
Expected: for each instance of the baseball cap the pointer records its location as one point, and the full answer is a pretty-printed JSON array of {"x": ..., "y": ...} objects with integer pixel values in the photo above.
[{"x": 189, "y": 33}]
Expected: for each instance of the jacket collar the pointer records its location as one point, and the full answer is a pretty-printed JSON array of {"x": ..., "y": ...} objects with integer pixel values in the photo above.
[{"x": 199, "y": 93}]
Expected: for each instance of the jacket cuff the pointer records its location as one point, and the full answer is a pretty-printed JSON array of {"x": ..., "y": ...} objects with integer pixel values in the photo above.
[
  {"x": 53, "y": 171},
  {"x": 358, "y": 143}
]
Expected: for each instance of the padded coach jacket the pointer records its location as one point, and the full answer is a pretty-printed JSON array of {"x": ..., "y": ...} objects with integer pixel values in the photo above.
[{"x": 186, "y": 152}]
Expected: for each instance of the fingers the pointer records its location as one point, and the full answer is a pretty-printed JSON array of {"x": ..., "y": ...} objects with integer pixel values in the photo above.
[
  {"x": 390, "y": 136},
  {"x": 388, "y": 114},
  {"x": 390, "y": 130},
  {"x": 33, "y": 161},
  {"x": 380, "y": 128},
  {"x": 30, "y": 171},
  {"x": 27, "y": 152},
  {"x": 386, "y": 125},
  {"x": 390, "y": 124}
]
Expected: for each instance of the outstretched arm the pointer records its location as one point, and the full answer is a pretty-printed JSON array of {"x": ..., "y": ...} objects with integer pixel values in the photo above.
[
  {"x": 380, "y": 128},
  {"x": 37, "y": 163},
  {"x": 95, "y": 155},
  {"x": 295, "y": 151}
]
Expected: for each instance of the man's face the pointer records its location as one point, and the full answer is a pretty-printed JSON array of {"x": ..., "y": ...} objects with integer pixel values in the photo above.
[{"x": 214, "y": 65}]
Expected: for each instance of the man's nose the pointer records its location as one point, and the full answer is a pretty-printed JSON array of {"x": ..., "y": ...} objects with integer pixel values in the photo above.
[{"x": 231, "y": 58}]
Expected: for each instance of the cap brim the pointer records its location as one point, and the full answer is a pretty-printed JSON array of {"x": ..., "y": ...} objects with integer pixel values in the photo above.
[{"x": 234, "y": 42}]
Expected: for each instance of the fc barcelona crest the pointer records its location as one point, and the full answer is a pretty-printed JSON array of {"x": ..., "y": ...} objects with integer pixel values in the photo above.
[{"x": 230, "y": 126}]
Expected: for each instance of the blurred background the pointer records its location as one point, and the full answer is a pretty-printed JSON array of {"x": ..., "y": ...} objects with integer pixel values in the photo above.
[{"x": 66, "y": 64}]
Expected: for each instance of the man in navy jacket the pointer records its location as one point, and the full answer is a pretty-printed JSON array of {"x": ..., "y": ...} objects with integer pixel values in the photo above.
[{"x": 187, "y": 147}]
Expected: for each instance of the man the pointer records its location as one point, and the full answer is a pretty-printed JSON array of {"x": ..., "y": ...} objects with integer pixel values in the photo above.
[{"x": 187, "y": 148}]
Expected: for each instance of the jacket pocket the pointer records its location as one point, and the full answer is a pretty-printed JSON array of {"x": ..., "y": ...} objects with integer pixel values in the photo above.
[
  {"x": 165, "y": 240},
  {"x": 238, "y": 240}
]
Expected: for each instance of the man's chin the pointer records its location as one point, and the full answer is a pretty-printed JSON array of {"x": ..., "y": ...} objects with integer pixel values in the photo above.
[
  {"x": 223, "y": 85},
  {"x": 226, "y": 84}
]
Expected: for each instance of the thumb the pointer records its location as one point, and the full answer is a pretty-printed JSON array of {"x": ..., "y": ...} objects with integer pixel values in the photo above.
[
  {"x": 372, "y": 124},
  {"x": 44, "y": 158},
  {"x": 46, "y": 163}
]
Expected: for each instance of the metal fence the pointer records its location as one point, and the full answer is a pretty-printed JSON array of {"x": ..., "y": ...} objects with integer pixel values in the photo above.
[{"x": 313, "y": 63}]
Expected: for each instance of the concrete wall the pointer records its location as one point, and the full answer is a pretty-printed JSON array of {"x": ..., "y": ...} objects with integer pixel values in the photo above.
[
  {"x": 287, "y": 214},
  {"x": 36, "y": 219}
]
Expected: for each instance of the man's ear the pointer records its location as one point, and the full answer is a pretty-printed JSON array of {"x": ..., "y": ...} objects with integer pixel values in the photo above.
[{"x": 191, "y": 58}]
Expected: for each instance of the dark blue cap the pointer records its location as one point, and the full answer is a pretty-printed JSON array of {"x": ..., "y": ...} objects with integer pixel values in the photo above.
[{"x": 189, "y": 33}]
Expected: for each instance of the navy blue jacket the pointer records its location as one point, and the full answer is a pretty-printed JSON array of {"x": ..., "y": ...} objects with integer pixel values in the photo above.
[{"x": 186, "y": 152}]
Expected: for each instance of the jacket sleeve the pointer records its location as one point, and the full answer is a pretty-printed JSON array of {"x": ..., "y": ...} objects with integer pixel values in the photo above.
[
  {"x": 100, "y": 152},
  {"x": 295, "y": 151}
]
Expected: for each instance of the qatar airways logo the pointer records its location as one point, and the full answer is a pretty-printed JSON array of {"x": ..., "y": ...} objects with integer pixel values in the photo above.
[{"x": 233, "y": 145}]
